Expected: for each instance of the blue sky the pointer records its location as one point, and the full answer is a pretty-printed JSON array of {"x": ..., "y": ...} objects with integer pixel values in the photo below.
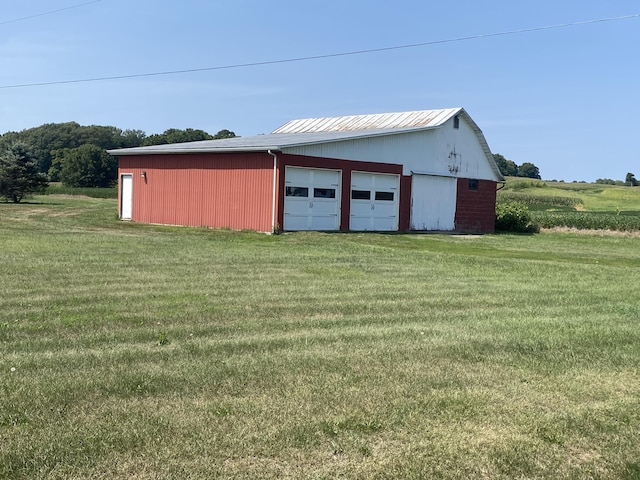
[{"x": 565, "y": 99}]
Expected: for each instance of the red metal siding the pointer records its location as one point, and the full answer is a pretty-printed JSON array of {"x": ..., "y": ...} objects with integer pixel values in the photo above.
[
  {"x": 347, "y": 166},
  {"x": 476, "y": 209},
  {"x": 209, "y": 190}
]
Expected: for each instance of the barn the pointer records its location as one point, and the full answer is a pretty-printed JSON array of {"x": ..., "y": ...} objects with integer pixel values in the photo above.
[{"x": 429, "y": 170}]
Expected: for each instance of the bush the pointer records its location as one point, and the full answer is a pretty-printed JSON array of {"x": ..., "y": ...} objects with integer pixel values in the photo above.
[{"x": 514, "y": 217}]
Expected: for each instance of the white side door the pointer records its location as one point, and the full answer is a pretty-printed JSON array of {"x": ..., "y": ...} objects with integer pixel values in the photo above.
[
  {"x": 374, "y": 201},
  {"x": 311, "y": 199},
  {"x": 433, "y": 202},
  {"x": 126, "y": 196}
]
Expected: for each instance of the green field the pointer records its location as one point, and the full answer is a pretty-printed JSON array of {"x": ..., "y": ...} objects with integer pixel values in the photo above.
[
  {"x": 136, "y": 351},
  {"x": 584, "y": 206}
]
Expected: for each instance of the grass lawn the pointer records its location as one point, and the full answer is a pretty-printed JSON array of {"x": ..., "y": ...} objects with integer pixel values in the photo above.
[{"x": 135, "y": 351}]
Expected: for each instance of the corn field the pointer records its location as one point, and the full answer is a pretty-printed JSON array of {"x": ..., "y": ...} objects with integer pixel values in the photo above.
[
  {"x": 588, "y": 220},
  {"x": 536, "y": 200}
]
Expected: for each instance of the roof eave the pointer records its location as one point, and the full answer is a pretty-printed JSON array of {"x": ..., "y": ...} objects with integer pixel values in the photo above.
[
  {"x": 122, "y": 152},
  {"x": 187, "y": 148}
]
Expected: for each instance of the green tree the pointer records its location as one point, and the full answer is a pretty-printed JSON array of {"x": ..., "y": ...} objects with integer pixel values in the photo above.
[
  {"x": 631, "y": 180},
  {"x": 224, "y": 134},
  {"x": 85, "y": 166},
  {"x": 57, "y": 156},
  {"x": 175, "y": 135},
  {"x": 19, "y": 174},
  {"x": 508, "y": 168},
  {"x": 46, "y": 139},
  {"x": 131, "y": 138},
  {"x": 528, "y": 170},
  {"x": 42, "y": 140}
]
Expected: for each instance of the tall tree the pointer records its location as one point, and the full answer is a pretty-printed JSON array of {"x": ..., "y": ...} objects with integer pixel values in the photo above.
[
  {"x": 508, "y": 168},
  {"x": 86, "y": 166},
  {"x": 175, "y": 135},
  {"x": 224, "y": 134},
  {"x": 529, "y": 170},
  {"x": 19, "y": 174},
  {"x": 631, "y": 180},
  {"x": 132, "y": 138}
]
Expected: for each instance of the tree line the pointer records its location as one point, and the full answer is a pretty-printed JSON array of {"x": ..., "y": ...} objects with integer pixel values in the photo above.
[
  {"x": 630, "y": 181},
  {"x": 74, "y": 154},
  {"x": 509, "y": 168}
]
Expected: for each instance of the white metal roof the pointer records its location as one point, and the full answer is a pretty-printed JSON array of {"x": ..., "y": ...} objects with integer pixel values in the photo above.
[{"x": 401, "y": 120}]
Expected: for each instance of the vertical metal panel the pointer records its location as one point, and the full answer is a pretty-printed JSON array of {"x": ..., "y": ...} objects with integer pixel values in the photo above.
[{"x": 210, "y": 190}]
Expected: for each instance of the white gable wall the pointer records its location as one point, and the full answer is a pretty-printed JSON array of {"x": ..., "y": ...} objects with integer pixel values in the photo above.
[
  {"x": 469, "y": 158},
  {"x": 426, "y": 151}
]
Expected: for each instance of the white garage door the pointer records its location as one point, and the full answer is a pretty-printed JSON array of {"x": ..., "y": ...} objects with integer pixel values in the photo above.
[
  {"x": 374, "y": 201},
  {"x": 433, "y": 202},
  {"x": 311, "y": 199}
]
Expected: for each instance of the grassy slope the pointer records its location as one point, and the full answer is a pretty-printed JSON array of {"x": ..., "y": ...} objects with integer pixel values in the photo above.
[{"x": 145, "y": 352}]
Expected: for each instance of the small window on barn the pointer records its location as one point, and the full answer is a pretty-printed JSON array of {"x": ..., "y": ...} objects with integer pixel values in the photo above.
[
  {"x": 473, "y": 184},
  {"x": 360, "y": 195},
  {"x": 324, "y": 193},
  {"x": 384, "y": 196},
  {"x": 456, "y": 122},
  {"x": 297, "y": 192}
]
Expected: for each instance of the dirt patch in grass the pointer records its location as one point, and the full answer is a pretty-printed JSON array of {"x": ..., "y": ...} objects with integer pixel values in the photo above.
[
  {"x": 469, "y": 236},
  {"x": 65, "y": 195}
]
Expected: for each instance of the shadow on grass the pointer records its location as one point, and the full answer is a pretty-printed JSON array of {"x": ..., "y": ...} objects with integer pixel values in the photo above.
[{"x": 32, "y": 202}]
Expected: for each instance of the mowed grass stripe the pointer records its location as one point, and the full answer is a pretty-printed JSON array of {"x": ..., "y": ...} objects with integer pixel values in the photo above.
[{"x": 144, "y": 352}]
